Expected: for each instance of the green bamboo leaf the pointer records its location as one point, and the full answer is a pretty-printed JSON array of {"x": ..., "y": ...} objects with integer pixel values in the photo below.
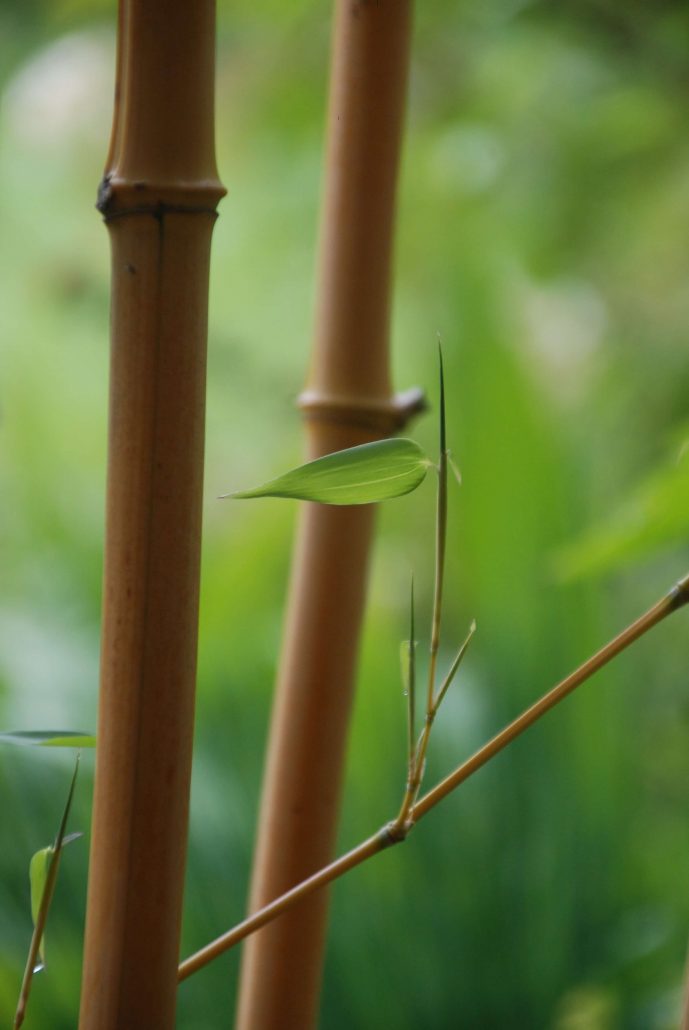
[
  {"x": 408, "y": 656},
  {"x": 359, "y": 475},
  {"x": 38, "y": 877},
  {"x": 39, "y": 867},
  {"x": 48, "y": 738}
]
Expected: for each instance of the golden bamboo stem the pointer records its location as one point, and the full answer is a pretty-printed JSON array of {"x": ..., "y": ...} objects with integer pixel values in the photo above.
[
  {"x": 158, "y": 199},
  {"x": 347, "y": 401}
]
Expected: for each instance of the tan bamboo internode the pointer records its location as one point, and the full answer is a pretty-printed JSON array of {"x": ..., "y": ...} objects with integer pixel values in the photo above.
[
  {"x": 347, "y": 401},
  {"x": 158, "y": 199}
]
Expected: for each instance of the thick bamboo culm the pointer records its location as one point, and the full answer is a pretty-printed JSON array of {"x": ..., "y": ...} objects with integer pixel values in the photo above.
[
  {"x": 347, "y": 401},
  {"x": 158, "y": 198}
]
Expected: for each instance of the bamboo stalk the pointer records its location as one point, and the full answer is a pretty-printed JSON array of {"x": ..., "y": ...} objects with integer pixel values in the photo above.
[
  {"x": 397, "y": 831},
  {"x": 158, "y": 199},
  {"x": 347, "y": 401}
]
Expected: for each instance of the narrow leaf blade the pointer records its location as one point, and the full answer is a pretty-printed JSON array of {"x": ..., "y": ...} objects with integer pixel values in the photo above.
[
  {"x": 359, "y": 475},
  {"x": 48, "y": 738}
]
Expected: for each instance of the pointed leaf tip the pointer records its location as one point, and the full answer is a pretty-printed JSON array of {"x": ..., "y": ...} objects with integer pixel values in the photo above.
[{"x": 365, "y": 474}]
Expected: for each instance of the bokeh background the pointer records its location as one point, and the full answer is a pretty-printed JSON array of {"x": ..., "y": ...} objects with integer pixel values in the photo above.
[{"x": 543, "y": 227}]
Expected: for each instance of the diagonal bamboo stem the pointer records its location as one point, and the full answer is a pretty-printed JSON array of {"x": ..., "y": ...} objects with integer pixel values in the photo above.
[
  {"x": 347, "y": 402},
  {"x": 158, "y": 198},
  {"x": 395, "y": 833},
  {"x": 674, "y": 599}
]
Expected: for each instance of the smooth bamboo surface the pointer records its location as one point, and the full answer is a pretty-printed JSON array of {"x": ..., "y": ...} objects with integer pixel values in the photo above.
[
  {"x": 347, "y": 401},
  {"x": 158, "y": 199}
]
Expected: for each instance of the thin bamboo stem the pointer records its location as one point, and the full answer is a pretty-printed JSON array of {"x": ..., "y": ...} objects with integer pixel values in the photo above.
[
  {"x": 440, "y": 538},
  {"x": 673, "y": 600},
  {"x": 395, "y": 833},
  {"x": 417, "y": 761},
  {"x": 347, "y": 401},
  {"x": 158, "y": 198},
  {"x": 365, "y": 850}
]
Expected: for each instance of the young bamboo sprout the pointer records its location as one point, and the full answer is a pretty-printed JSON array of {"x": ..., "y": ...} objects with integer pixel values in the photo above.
[{"x": 417, "y": 760}]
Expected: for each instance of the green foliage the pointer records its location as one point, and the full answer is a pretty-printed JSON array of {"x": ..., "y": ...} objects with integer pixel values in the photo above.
[
  {"x": 542, "y": 228},
  {"x": 653, "y": 518},
  {"x": 358, "y": 475}
]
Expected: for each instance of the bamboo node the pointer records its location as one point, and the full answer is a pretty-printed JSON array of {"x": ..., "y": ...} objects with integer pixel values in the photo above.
[
  {"x": 679, "y": 594},
  {"x": 394, "y": 832},
  {"x": 382, "y": 416},
  {"x": 119, "y": 197}
]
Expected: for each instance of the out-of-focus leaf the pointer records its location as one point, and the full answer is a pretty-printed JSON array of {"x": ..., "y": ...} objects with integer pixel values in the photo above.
[
  {"x": 359, "y": 475},
  {"x": 48, "y": 738},
  {"x": 38, "y": 877},
  {"x": 655, "y": 516},
  {"x": 43, "y": 869}
]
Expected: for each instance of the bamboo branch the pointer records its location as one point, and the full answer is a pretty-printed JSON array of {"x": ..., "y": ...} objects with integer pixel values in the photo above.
[
  {"x": 339, "y": 867},
  {"x": 158, "y": 198},
  {"x": 674, "y": 599},
  {"x": 395, "y": 833},
  {"x": 347, "y": 401}
]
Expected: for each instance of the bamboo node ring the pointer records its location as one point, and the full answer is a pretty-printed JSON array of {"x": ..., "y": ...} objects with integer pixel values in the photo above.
[
  {"x": 382, "y": 416},
  {"x": 680, "y": 593},
  {"x": 119, "y": 197}
]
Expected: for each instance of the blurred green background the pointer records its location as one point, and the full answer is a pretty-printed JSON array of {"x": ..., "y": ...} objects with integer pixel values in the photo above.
[{"x": 543, "y": 213}]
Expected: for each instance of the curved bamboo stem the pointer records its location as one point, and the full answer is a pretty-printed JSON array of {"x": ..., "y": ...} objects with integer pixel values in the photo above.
[
  {"x": 347, "y": 401},
  {"x": 158, "y": 198}
]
